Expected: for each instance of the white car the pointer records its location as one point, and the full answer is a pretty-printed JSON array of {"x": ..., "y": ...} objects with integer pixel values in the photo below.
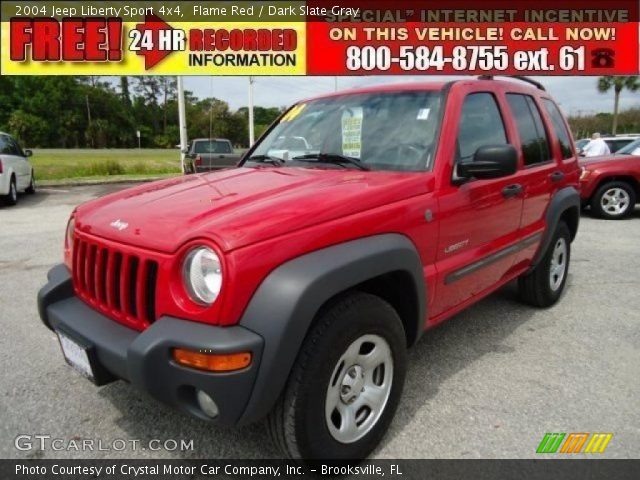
[
  {"x": 619, "y": 141},
  {"x": 16, "y": 173}
]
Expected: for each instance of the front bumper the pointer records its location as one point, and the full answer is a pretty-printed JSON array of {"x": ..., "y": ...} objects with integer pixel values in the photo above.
[{"x": 144, "y": 358}]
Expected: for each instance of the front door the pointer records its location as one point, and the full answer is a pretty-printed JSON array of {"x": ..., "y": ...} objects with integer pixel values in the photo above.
[
  {"x": 22, "y": 165},
  {"x": 11, "y": 160},
  {"x": 479, "y": 219}
]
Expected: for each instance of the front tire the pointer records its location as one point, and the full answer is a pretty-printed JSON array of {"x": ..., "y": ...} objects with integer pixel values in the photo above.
[
  {"x": 31, "y": 189},
  {"x": 346, "y": 383},
  {"x": 614, "y": 200},
  {"x": 543, "y": 286},
  {"x": 11, "y": 198}
]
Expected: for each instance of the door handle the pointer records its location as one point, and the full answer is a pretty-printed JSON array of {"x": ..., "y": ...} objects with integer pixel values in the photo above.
[
  {"x": 512, "y": 190},
  {"x": 557, "y": 176}
]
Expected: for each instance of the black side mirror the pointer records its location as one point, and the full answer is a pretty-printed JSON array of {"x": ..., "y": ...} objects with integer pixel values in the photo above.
[
  {"x": 27, "y": 153},
  {"x": 490, "y": 161}
]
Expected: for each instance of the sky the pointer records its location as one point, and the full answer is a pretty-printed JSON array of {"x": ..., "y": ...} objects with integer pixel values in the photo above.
[{"x": 576, "y": 95}]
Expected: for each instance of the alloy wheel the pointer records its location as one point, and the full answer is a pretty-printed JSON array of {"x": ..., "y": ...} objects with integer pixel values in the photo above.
[
  {"x": 558, "y": 264},
  {"x": 359, "y": 388},
  {"x": 615, "y": 201}
]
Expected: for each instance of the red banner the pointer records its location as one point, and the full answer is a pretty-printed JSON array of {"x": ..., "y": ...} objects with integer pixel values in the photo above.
[{"x": 541, "y": 38}]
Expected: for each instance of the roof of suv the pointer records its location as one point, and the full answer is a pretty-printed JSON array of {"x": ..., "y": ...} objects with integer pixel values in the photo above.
[{"x": 418, "y": 86}]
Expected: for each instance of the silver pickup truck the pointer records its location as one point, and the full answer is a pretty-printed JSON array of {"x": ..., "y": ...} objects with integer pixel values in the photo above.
[{"x": 205, "y": 155}]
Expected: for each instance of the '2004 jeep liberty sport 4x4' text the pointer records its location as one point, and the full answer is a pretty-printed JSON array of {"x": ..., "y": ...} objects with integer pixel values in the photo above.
[{"x": 291, "y": 287}]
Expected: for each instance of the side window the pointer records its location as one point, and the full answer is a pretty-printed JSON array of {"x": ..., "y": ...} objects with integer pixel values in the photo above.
[
  {"x": 480, "y": 124},
  {"x": 15, "y": 148},
  {"x": 223, "y": 147},
  {"x": 535, "y": 144},
  {"x": 5, "y": 146},
  {"x": 559, "y": 127}
]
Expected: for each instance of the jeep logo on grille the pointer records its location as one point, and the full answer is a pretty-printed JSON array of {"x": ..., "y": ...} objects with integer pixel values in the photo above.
[{"x": 119, "y": 224}]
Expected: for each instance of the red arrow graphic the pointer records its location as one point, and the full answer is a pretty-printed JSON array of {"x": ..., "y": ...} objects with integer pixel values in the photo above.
[{"x": 153, "y": 24}]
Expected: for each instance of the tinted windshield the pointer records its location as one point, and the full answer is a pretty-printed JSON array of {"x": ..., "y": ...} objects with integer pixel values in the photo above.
[
  {"x": 388, "y": 131},
  {"x": 211, "y": 146},
  {"x": 632, "y": 149}
]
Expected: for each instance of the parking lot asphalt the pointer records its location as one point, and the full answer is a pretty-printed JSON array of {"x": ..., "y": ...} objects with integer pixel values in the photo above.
[{"x": 487, "y": 384}]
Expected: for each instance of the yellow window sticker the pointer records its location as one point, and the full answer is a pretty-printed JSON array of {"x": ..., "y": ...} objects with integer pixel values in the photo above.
[{"x": 352, "y": 132}]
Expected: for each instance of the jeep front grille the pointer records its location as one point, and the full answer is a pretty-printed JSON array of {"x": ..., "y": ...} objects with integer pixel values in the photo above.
[{"x": 119, "y": 284}]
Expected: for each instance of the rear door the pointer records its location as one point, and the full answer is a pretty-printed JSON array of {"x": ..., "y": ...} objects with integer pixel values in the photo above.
[
  {"x": 479, "y": 219},
  {"x": 541, "y": 165},
  {"x": 546, "y": 176}
]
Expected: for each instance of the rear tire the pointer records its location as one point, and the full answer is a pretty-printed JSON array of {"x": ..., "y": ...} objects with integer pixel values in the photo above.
[
  {"x": 614, "y": 200},
  {"x": 11, "y": 198},
  {"x": 543, "y": 286},
  {"x": 346, "y": 383}
]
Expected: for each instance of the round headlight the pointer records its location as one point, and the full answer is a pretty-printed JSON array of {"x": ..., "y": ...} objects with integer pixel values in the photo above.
[{"x": 202, "y": 275}]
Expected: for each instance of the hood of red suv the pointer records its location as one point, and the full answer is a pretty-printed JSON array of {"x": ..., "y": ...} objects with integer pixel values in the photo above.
[
  {"x": 590, "y": 161},
  {"x": 241, "y": 206},
  {"x": 623, "y": 163}
]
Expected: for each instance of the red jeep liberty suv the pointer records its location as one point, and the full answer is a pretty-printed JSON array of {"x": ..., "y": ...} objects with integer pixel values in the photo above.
[{"x": 290, "y": 288}]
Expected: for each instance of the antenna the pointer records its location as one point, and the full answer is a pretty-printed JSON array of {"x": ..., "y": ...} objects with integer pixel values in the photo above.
[
  {"x": 182, "y": 120},
  {"x": 251, "y": 131}
]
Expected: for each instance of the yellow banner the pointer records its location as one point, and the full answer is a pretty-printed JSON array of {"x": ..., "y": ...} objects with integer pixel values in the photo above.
[{"x": 51, "y": 38}]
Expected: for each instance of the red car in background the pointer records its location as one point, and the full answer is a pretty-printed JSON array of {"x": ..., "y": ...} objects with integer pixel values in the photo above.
[{"x": 610, "y": 184}]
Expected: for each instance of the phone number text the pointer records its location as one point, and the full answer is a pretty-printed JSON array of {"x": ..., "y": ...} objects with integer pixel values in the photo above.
[{"x": 463, "y": 58}]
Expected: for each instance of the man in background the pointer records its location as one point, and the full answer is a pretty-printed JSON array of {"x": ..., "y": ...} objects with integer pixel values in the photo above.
[{"x": 596, "y": 147}]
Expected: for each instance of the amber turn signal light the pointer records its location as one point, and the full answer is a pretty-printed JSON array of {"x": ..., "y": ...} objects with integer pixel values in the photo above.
[{"x": 212, "y": 362}]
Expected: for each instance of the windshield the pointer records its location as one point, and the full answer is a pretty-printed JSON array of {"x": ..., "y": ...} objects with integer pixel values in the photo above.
[
  {"x": 383, "y": 131},
  {"x": 632, "y": 149},
  {"x": 582, "y": 143}
]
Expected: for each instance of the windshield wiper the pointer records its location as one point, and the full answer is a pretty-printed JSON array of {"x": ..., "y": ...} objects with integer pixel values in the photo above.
[
  {"x": 278, "y": 162},
  {"x": 333, "y": 158}
]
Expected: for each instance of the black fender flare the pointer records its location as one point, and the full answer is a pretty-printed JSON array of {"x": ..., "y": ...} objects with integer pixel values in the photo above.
[
  {"x": 286, "y": 302},
  {"x": 565, "y": 199}
]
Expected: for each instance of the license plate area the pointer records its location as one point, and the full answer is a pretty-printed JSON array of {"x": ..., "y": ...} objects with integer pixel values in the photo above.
[{"x": 81, "y": 356}]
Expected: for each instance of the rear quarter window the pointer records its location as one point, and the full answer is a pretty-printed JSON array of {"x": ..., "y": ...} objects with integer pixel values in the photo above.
[{"x": 559, "y": 127}]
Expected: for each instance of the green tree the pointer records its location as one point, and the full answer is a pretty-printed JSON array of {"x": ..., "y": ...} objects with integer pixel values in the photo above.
[
  {"x": 29, "y": 129},
  {"x": 149, "y": 89},
  {"x": 618, "y": 84},
  {"x": 68, "y": 112},
  {"x": 124, "y": 91}
]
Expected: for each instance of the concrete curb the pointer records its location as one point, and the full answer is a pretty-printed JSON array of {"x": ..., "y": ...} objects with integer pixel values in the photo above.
[{"x": 87, "y": 182}]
